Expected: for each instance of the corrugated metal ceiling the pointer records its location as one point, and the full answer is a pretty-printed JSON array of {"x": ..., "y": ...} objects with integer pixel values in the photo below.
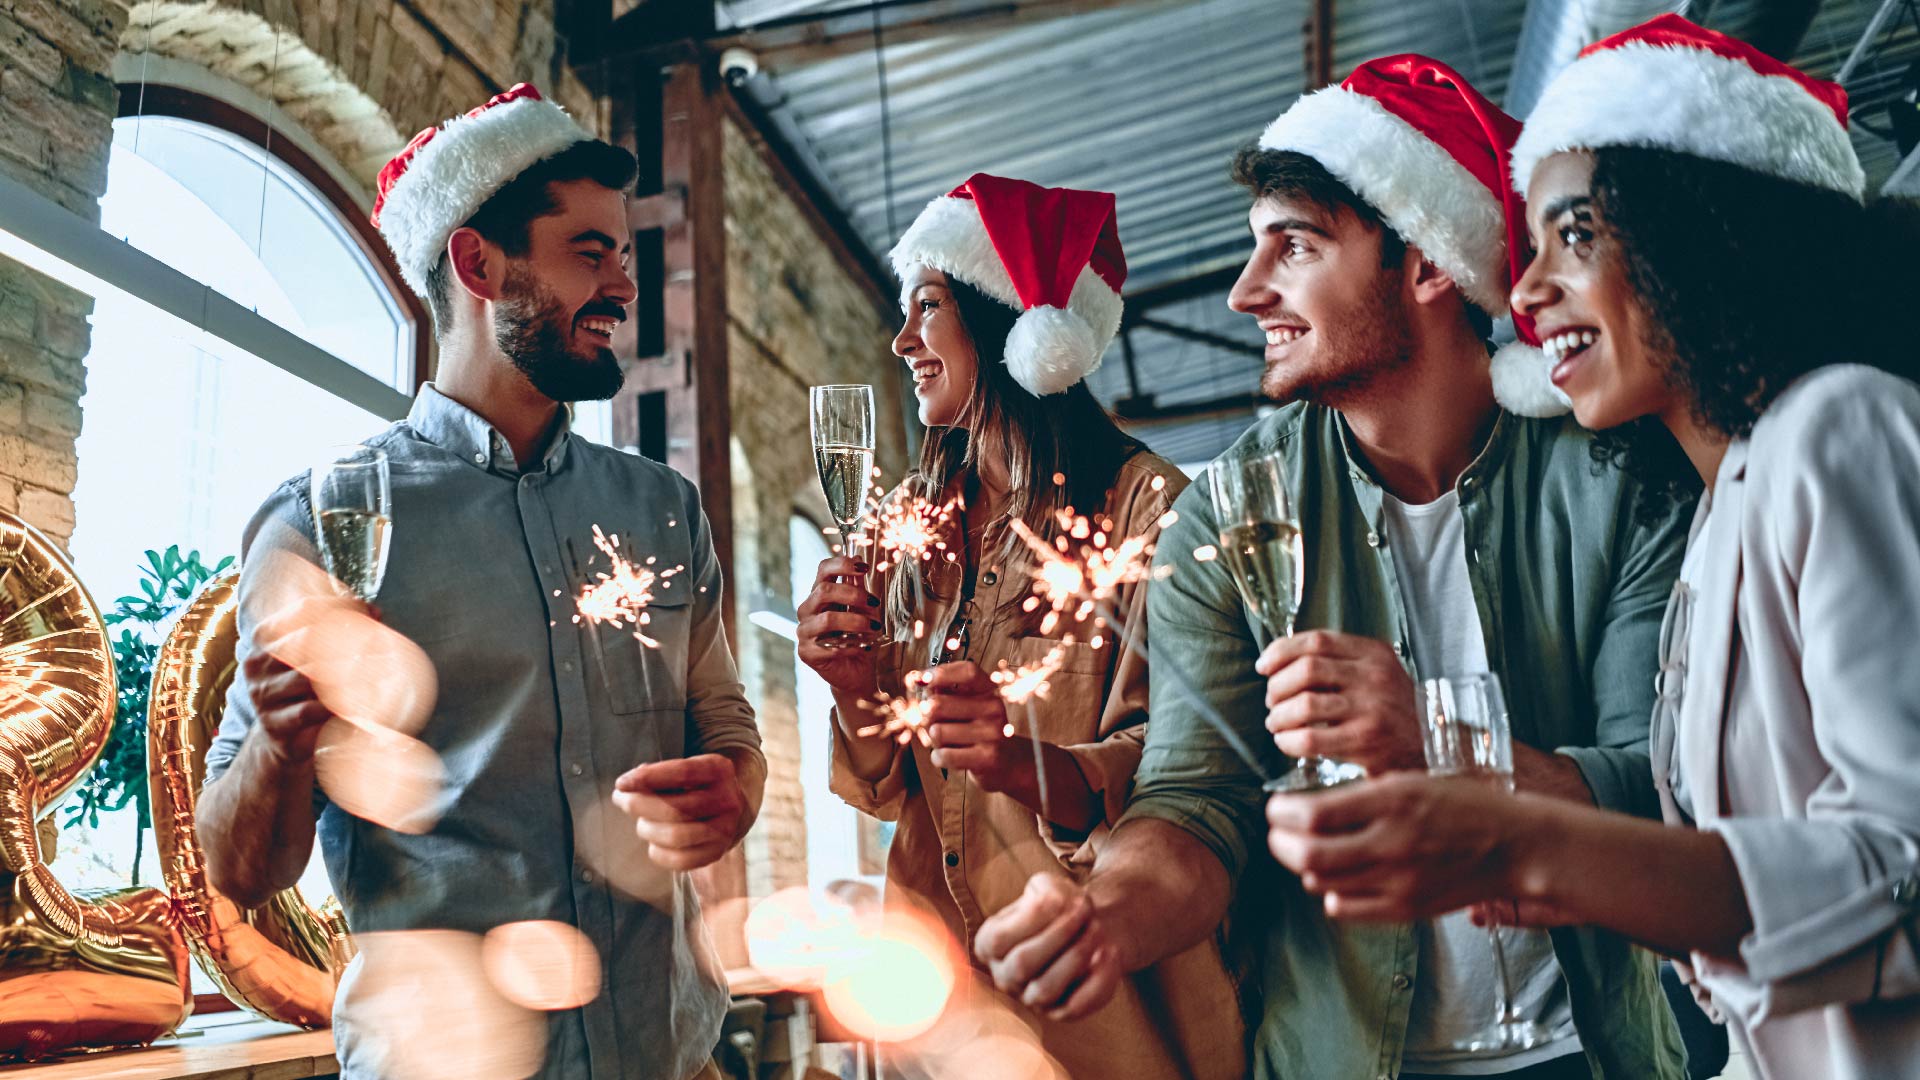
[{"x": 1149, "y": 100}]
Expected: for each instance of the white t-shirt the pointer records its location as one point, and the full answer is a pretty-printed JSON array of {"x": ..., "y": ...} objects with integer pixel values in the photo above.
[{"x": 1453, "y": 995}]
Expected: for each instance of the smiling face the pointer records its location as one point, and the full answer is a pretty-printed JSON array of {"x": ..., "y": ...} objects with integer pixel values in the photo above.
[
  {"x": 563, "y": 299},
  {"x": 937, "y": 348},
  {"x": 1335, "y": 319},
  {"x": 1591, "y": 325}
]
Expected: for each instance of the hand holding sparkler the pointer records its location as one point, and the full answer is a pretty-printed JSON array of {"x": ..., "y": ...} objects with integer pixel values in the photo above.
[{"x": 970, "y": 732}]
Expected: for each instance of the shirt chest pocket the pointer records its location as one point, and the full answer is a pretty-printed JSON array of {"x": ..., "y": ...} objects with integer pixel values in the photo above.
[
  {"x": 1069, "y": 709},
  {"x": 646, "y": 666}
]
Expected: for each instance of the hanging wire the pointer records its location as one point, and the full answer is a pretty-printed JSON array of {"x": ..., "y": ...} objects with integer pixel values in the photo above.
[
  {"x": 886, "y": 126},
  {"x": 266, "y": 152},
  {"x": 146, "y": 57}
]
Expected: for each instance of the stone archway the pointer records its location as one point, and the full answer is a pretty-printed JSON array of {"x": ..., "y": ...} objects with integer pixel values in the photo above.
[{"x": 277, "y": 66}]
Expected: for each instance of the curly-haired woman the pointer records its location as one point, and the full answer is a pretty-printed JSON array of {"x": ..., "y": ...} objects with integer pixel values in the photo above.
[{"x": 1710, "y": 289}]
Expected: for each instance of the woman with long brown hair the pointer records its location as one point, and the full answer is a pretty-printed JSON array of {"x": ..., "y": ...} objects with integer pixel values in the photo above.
[{"x": 1010, "y": 295}]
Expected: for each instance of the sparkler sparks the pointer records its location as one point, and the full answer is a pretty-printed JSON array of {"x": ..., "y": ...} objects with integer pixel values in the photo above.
[
  {"x": 905, "y": 717},
  {"x": 1075, "y": 586},
  {"x": 907, "y": 527},
  {"x": 1020, "y": 685},
  {"x": 621, "y": 597}
]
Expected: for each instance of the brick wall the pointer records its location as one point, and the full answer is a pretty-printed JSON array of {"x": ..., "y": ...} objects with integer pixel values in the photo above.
[
  {"x": 56, "y": 114},
  {"x": 795, "y": 319}
]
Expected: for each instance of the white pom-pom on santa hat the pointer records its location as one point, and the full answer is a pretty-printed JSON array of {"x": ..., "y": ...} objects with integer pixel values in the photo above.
[
  {"x": 1427, "y": 151},
  {"x": 445, "y": 174},
  {"x": 1521, "y": 381},
  {"x": 1051, "y": 253}
]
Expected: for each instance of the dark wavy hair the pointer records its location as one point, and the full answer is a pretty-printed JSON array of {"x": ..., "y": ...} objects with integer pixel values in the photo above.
[
  {"x": 1069, "y": 435},
  {"x": 1749, "y": 281}
]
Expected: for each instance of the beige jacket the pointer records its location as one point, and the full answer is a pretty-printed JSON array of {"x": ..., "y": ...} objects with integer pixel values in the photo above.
[
  {"x": 962, "y": 854},
  {"x": 1797, "y": 737}
]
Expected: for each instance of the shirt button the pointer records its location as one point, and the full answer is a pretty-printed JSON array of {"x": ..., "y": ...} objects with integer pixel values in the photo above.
[
  {"x": 479, "y": 459},
  {"x": 1906, "y": 890},
  {"x": 566, "y": 666},
  {"x": 586, "y": 876},
  {"x": 989, "y": 578},
  {"x": 575, "y": 769},
  {"x": 1373, "y": 539},
  {"x": 953, "y": 858},
  {"x": 1400, "y": 981}
]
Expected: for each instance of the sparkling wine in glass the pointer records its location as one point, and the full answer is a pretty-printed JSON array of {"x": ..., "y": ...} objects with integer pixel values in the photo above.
[
  {"x": 353, "y": 518},
  {"x": 842, "y": 422},
  {"x": 1260, "y": 545},
  {"x": 1467, "y": 734}
]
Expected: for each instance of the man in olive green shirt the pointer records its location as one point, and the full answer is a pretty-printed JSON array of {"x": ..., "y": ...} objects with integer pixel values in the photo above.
[{"x": 1377, "y": 261}]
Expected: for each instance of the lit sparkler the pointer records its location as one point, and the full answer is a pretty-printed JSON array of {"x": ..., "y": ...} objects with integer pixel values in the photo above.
[
  {"x": 1019, "y": 686},
  {"x": 905, "y": 717},
  {"x": 1087, "y": 585},
  {"x": 622, "y": 597},
  {"x": 907, "y": 527}
]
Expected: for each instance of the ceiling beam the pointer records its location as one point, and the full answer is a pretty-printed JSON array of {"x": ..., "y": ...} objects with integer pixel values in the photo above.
[
  {"x": 1139, "y": 412},
  {"x": 1141, "y": 301},
  {"x": 1203, "y": 337},
  {"x": 807, "y": 38}
]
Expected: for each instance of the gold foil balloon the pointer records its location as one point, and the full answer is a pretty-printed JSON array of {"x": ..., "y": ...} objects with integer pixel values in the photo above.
[
  {"x": 100, "y": 970},
  {"x": 283, "y": 959}
]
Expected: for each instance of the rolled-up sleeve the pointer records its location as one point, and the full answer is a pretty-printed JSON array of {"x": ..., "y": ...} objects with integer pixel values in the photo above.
[
  {"x": 1616, "y": 766},
  {"x": 1202, "y": 650},
  {"x": 1835, "y": 894},
  {"x": 718, "y": 715},
  {"x": 282, "y": 526}
]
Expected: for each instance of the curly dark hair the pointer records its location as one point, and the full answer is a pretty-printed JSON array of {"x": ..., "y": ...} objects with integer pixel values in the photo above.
[{"x": 1749, "y": 281}]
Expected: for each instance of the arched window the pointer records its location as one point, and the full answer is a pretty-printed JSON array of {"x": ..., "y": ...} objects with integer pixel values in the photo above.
[{"x": 182, "y": 437}]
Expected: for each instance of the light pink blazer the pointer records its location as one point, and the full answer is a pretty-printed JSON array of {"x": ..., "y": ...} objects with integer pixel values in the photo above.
[{"x": 1798, "y": 730}]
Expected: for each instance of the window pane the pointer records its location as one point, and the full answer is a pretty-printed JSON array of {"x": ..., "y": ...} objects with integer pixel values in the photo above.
[{"x": 191, "y": 196}]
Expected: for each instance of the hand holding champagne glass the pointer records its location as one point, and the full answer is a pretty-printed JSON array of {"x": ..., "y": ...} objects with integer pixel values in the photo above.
[
  {"x": 1260, "y": 544},
  {"x": 353, "y": 518},
  {"x": 842, "y": 422},
  {"x": 1467, "y": 734}
]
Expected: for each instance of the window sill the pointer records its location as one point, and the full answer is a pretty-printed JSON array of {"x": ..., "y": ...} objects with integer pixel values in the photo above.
[{"x": 223, "y": 1046}]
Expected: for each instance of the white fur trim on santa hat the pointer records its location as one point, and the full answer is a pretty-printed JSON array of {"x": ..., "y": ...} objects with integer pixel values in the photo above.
[
  {"x": 1691, "y": 100},
  {"x": 1521, "y": 384},
  {"x": 459, "y": 169},
  {"x": 1049, "y": 349},
  {"x": 1430, "y": 199}
]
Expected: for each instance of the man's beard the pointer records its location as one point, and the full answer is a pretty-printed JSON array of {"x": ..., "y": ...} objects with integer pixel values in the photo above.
[
  {"x": 533, "y": 329},
  {"x": 1364, "y": 340}
]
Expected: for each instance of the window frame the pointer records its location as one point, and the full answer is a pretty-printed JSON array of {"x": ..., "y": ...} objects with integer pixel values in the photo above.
[{"x": 157, "y": 99}]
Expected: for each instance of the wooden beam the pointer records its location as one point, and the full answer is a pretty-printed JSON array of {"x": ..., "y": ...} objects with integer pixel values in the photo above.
[
  {"x": 1318, "y": 32},
  {"x": 1141, "y": 301},
  {"x": 1137, "y": 412},
  {"x": 699, "y": 414}
]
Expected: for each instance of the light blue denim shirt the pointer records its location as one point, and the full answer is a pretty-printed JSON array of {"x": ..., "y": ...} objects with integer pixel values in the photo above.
[{"x": 534, "y": 721}]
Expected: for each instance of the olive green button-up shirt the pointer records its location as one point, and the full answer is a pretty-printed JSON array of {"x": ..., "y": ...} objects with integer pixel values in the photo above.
[{"x": 1570, "y": 587}]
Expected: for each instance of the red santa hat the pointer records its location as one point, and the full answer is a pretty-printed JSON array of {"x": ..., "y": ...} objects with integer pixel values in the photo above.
[
  {"x": 445, "y": 174},
  {"x": 1052, "y": 254},
  {"x": 1427, "y": 151},
  {"x": 1673, "y": 85}
]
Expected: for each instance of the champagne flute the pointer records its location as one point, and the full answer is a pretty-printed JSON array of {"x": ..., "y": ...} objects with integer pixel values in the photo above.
[
  {"x": 353, "y": 518},
  {"x": 1260, "y": 543},
  {"x": 842, "y": 423},
  {"x": 1467, "y": 734}
]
